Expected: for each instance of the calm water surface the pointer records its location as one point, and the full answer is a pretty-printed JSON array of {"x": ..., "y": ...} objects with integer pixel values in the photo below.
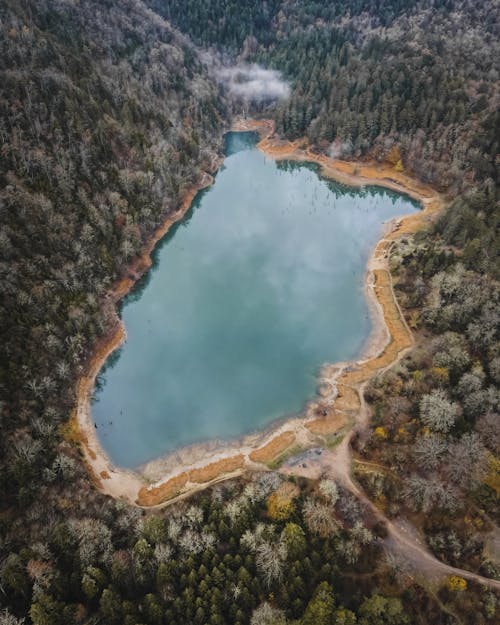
[{"x": 250, "y": 294}]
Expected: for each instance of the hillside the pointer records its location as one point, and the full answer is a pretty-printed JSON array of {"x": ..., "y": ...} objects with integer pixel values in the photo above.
[
  {"x": 110, "y": 112},
  {"x": 359, "y": 79},
  {"x": 107, "y": 117},
  {"x": 412, "y": 81}
]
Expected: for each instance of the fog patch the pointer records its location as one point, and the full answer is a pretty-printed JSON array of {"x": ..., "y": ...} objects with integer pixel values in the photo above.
[{"x": 252, "y": 83}]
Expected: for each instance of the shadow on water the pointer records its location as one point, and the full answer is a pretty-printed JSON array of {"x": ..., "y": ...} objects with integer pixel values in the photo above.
[
  {"x": 234, "y": 142},
  {"x": 342, "y": 190},
  {"x": 138, "y": 288},
  {"x": 239, "y": 141},
  {"x": 100, "y": 381}
]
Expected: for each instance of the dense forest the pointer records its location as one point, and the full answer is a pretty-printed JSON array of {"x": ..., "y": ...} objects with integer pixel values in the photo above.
[
  {"x": 361, "y": 85},
  {"x": 108, "y": 115}
]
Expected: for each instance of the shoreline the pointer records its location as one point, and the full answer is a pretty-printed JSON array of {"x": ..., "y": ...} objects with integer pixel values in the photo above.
[
  {"x": 193, "y": 468},
  {"x": 116, "y": 481}
]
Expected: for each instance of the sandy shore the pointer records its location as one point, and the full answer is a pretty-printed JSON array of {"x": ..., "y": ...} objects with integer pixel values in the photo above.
[{"x": 330, "y": 413}]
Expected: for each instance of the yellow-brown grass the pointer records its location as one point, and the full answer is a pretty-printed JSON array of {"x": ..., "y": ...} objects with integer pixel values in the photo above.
[
  {"x": 275, "y": 447},
  {"x": 215, "y": 469}
]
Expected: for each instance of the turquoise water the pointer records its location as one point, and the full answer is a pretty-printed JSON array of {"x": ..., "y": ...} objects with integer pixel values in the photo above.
[{"x": 249, "y": 295}]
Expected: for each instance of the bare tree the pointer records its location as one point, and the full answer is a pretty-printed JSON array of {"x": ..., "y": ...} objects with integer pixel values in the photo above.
[
  {"x": 467, "y": 461},
  {"x": 6, "y": 618},
  {"x": 437, "y": 412},
  {"x": 319, "y": 518},
  {"x": 429, "y": 451},
  {"x": 265, "y": 614},
  {"x": 94, "y": 540},
  {"x": 488, "y": 428},
  {"x": 163, "y": 553},
  {"x": 270, "y": 560},
  {"x": 428, "y": 493},
  {"x": 329, "y": 490}
]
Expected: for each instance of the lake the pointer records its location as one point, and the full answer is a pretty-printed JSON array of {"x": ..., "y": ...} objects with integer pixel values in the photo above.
[{"x": 259, "y": 285}]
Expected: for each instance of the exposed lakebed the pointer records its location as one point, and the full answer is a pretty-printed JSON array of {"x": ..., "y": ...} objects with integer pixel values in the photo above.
[{"x": 258, "y": 286}]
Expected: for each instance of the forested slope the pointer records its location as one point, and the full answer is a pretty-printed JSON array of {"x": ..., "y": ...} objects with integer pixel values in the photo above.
[
  {"x": 417, "y": 81},
  {"x": 421, "y": 74},
  {"x": 106, "y": 117}
]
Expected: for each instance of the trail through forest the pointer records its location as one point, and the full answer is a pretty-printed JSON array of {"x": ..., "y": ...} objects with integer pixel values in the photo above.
[{"x": 402, "y": 540}]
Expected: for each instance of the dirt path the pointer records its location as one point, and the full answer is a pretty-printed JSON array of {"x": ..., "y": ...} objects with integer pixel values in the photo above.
[{"x": 402, "y": 538}]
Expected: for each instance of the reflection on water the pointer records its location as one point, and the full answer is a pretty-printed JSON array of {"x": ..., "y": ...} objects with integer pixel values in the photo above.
[{"x": 258, "y": 286}]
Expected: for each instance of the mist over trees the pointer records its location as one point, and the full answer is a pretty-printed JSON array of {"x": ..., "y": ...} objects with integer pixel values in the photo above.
[
  {"x": 363, "y": 83},
  {"x": 415, "y": 78}
]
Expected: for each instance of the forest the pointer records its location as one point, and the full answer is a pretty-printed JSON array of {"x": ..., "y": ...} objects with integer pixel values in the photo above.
[{"x": 109, "y": 113}]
